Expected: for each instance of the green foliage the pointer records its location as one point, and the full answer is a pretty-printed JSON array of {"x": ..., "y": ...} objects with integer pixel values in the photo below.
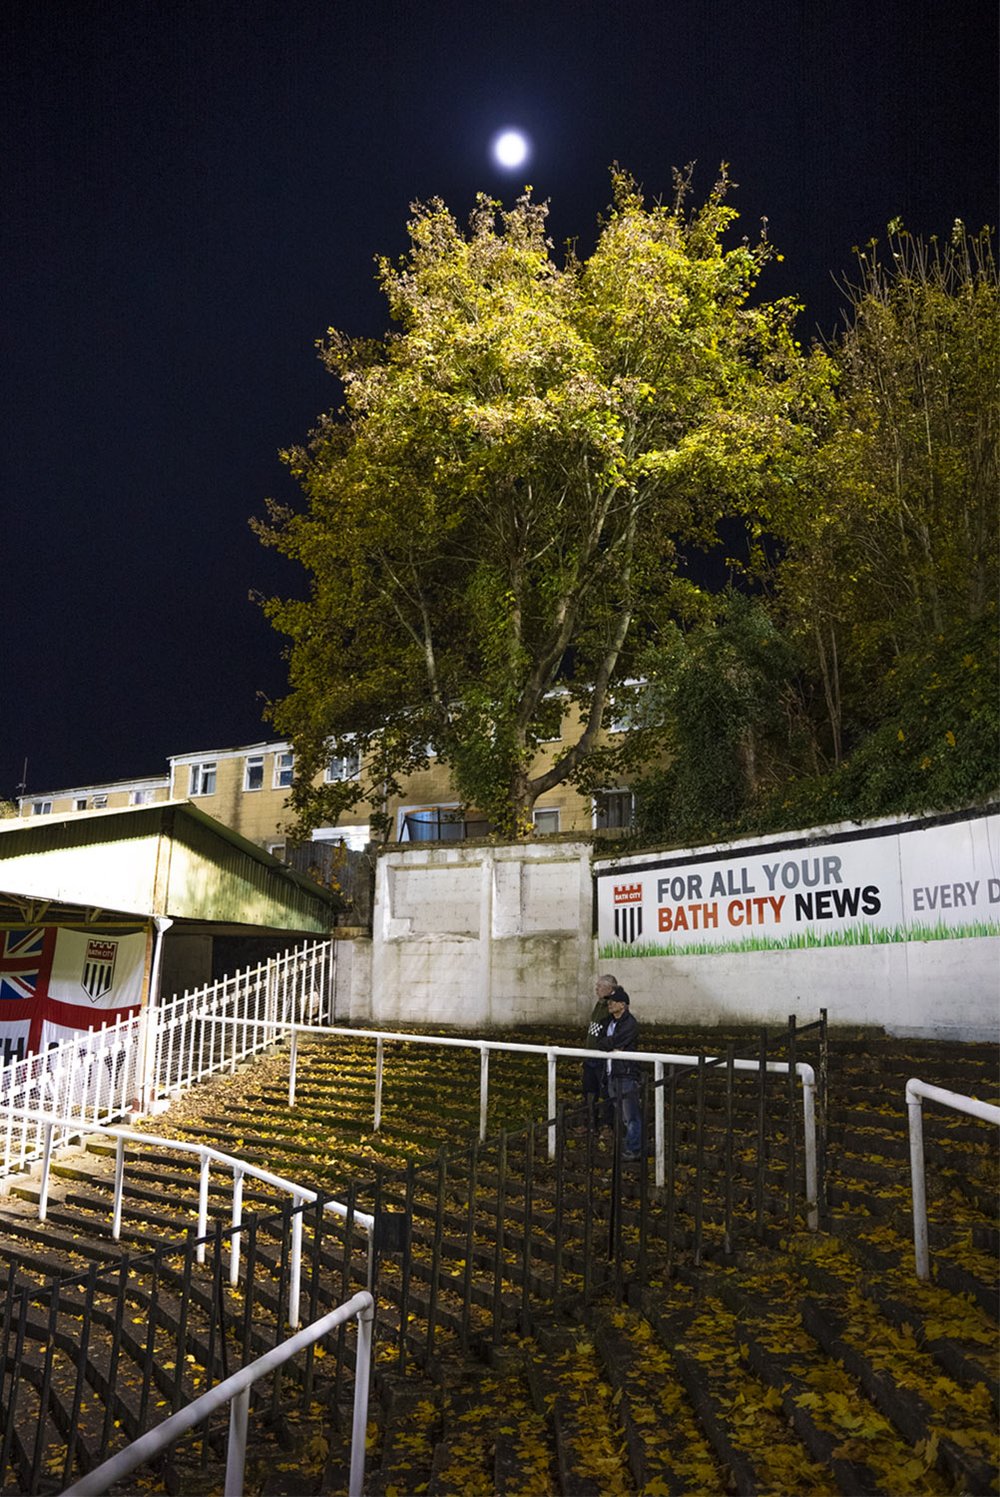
[
  {"x": 876, "y": 544},
  {"x": 499, "y": 511},
  {"x": 499, "y": 503},
  {"x": 933, "y": 744},
  {"x": 929, "y": 742},
  {"x": 890, "y": 538},
  {"x": 724, "y": 688}
]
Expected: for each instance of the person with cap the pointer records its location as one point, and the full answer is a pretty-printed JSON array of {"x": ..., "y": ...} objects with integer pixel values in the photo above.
[{"x": 622, "y": 1034}]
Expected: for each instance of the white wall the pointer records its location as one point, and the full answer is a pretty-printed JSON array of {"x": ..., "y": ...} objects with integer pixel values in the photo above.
[
  {"x": 920, "y": 956},
  {"x": 352, "y": 978},
  {"x": 478, "y": 936},
  {"x": 481, "y": 936},
  {"x": 939, "y": 989}
]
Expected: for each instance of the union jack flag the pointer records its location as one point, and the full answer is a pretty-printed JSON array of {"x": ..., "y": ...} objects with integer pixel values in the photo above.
[{"x": 25, "y": 964}]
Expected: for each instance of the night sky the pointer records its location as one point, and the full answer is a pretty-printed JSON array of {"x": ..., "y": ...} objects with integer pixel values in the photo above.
[{"x": 193, "y": 193}]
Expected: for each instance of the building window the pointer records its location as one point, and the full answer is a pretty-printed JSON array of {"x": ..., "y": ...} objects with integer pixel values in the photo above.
[
  {"x": 253, "y": 772},
  {"x": 613, "y": 810},
  {"x": 432, "y": 824},
  {"x": 276, "y": 849},
  {"x": 343, "y": 767},
  {"x": 203, "y": 778},
  {"x": 140, "y": 797},
  {"x": 546, "y": 822},
  {"x": 439, "y": 824},
  {"x": 41, "y": 807},
  {"x": 80, "y": 804},
  {"x": 284, "y": 768},
  {"x": 99, "y": 802}
]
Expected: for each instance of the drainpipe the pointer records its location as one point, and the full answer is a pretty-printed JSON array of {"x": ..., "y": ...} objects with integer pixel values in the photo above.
[{"x": 145, "y": 1071}]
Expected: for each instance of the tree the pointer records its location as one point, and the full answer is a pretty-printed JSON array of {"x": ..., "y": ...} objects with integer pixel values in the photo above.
[
  {"x": 499, "y": 505},
  {"x": 724, "y": 691},
  {"x": 895, "y": 547}
]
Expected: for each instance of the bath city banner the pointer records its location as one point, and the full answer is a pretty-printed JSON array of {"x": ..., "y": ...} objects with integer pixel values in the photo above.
[
  {"x": 923, "y": 880},
  {"x": 55, "y": 981}
]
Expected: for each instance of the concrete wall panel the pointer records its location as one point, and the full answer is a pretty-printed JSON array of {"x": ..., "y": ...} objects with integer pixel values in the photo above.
[{"x": 482, "y": 936}]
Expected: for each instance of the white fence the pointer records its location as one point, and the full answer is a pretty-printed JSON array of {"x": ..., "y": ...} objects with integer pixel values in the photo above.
[
  {"x": 916, "y": 1092},
  {"x": 214, "y": 1028},
  {"x": 91, "y": 1076},
  {"x": 52, "y": 1126},
  {"x": 551, "y": 1053},
  {"x": 98, "y": 1076}
]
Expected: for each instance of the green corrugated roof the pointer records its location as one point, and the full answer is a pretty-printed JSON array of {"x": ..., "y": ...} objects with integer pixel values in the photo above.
[{"x": 168, "y": 858}]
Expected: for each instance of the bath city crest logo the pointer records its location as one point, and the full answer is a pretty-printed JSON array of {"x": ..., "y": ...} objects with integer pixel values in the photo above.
[
  {"x": 628, "y": 912},
  {"x": 99, "y": 969}
]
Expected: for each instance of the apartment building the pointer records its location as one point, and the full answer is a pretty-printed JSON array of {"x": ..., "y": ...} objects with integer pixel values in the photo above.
[
  {"x": 110, "y": 796},
  {"x": 247, "y": 787}
]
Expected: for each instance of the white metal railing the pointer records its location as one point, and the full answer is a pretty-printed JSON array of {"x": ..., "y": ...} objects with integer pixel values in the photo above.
[
  {"x": 300, "y": 1195},
  {"x": 916, "y": 1092},
  {"x": 552, "y": 1054},
  {"x": 235, "y": 1391},
  {"x": 99, "y": 1075},
  {"x": 193, "y": 1038},
  {"x": 85, "y": 1080}
]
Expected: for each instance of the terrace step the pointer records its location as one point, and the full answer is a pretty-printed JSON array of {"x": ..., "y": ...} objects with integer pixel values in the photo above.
[
  {"x": 841, "y": 1305},
  {"x": 973, "y": 1470},
  {"x": 666, "y": 1447},
  {"x": 858, "y": 1445},
  {"x": 410, "y": 1431},
  {"x": 568, "y": 1388},
  {"x": 630, "y": 1361},
  {"x": 743, "y": 1418},
  {"x": 492, "y": 1441}
]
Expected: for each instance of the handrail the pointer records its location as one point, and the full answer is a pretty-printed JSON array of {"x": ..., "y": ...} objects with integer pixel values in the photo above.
[
  {"x": 154, "y": 1052},
  {"x": 235, "y": 1390},
  {"x": 916, "y": 1092},
  {"x": 207, "y": 1154},
  {"x": 658, "y": 1059}
]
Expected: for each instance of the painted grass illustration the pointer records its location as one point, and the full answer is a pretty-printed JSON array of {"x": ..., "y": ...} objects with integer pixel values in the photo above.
[{"x": 807, "y": 938}]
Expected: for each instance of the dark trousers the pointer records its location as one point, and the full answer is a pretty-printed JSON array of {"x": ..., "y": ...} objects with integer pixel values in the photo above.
[
  {"x": 625, "y": 1092},
  {"x": 595, "y": 1091}
]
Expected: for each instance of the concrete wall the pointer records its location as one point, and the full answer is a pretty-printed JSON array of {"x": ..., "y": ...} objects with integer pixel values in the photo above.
[
  {"x": 939, "y": 990},
  {"x": 477, "y": 936},
  {"x": 352, "y": 977},
  {"x": 919, "y": 954}
]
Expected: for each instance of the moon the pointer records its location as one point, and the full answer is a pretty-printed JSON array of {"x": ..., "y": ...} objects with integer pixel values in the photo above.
[{"x": 510, "y": 149}]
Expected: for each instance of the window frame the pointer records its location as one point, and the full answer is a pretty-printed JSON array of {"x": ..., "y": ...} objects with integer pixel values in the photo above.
[
  {"x": 281, "y": 768},
  {"x": 253, "y": 761},
  {"x": 547, "y": 811},
  {"x": 439, "y": 811},
  {"x": 203, "y": 771},
  {"x": 613, "y": 826},
  {"x": 329, "y": 778}
]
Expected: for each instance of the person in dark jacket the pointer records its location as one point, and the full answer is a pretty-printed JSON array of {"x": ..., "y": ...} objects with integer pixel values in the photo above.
[
  {"x": 594, "y": 1078},
  {"x": 622, "y": 1034}
]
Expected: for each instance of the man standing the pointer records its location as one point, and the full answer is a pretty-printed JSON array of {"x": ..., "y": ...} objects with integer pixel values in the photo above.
[
  {"x": 622, "y": 1033},
  {"x": 595, "y": 1090}
]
